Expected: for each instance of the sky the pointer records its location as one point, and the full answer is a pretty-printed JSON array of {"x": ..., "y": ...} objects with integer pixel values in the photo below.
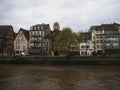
[{"x": 79, "y": 15}]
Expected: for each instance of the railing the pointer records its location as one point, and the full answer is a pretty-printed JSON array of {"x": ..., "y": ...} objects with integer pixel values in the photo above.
[
  {"x": 36, "y": 35},
  {"x": 111, "y": 47},
  {"x": 36, "y": 41}
]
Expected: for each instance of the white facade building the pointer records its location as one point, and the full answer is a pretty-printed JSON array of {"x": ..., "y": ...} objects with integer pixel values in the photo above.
[{"x": 86, "y": 46}]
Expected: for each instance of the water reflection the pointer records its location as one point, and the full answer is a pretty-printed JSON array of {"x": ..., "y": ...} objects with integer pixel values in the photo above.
[{"x": 37, "y": 77}]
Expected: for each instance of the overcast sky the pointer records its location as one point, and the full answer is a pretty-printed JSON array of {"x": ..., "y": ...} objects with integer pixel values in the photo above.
[{"x": 77, "y": 14}]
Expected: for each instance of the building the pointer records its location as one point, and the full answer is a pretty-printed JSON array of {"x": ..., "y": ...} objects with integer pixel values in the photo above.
[
  {"x": 106, "y": 38},
  {"x": 56, "y": 29},
  {"x": 37, "y": 41},
  {"x": 47, "y": 46},
  {"x": 56, "y": 26},
  {"x": 97, "y": 38},
  {"x": 111, "y": 38},
  {"x": 74, "y": 49},
  {"x": 86, "y": 46},
  {"x": 6, "y": 40},
  {"x": 21, "y": 42},
  {"x": 55, "y": 32}
]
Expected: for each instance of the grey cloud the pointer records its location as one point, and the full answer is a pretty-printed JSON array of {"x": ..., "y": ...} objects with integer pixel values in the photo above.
[{"x": 77, "y": 14}]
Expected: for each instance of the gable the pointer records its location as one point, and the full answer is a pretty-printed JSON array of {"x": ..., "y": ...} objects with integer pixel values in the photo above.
[{"x": 20, "y": 36}]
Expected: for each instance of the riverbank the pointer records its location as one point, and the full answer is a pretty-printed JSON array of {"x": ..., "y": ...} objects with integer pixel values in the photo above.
[{"x": 61, "y": 60}]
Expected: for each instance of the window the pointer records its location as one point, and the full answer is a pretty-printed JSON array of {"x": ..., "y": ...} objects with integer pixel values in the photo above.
[
  {"x": 34, "y": 33},
  {"x": 31, "y": 33},
  {"x": 73, "y": 48},
  {"x": 40, "y": 32},
  {"x": 23, "y": 48},
  {"x": 34, "y": 28},
  {"x": 100, "y": 31},
  {"x": 22, "y": 37},
  {"x": 97, "y": 41},
  {"x": 101, "y": 41},
  {"x": 38, "y": 28},
  {"x": 18, "y": 37},
  {"x": 82, "y": 53},
  {"x": 87, "y": 46},
  {"x": 76, "y": 48},
  {"x": 97, "y": 46},
  {"x": 41, "y": 27},
  {"x": 82, "y": 46},
  {"x": 31, "y": 28},
  {"x": 17, "y": 47}
]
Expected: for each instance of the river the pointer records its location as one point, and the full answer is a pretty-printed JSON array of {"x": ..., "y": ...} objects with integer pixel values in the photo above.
[{"x": 61, "y": 77}]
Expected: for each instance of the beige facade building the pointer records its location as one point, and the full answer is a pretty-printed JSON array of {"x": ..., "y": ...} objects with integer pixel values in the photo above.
[
  {"x": 106, "y": 38},
  {"x": 21, "y": 42},
  {"x": 97, "y": 38}
]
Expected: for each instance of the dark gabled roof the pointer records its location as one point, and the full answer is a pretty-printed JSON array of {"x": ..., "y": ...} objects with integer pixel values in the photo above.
[
  {"x": 26, "y": 33},
  {"x": 45, "y": 26},
  {"x": 94, "y": 27},
  {"x": 16, "y": 35},
  {"x": 113, "y": 26},
  {"x": 56, "y": 24},
  {"x": 4, "y": 30}
]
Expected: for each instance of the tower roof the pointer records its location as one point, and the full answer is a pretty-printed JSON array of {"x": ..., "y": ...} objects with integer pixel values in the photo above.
[{"x": 56, "y": 26}]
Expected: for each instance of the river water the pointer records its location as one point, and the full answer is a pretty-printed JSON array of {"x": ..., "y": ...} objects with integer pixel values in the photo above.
[{"x": 53, "y": 77}]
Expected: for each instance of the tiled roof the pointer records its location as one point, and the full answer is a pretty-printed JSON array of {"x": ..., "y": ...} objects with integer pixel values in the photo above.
[
  {"x": 45, "y": 26},
  {"x": 113, "y": 26},
  {"x": 16, "y": 35},
  {"x": 4, "y": 30},
  {"x": 94, "y": 27},
  {"x": 26, "y": 33},
  {"x": 56, "y": 24}
]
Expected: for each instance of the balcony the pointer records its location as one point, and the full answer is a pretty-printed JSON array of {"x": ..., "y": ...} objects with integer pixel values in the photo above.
[
  {"x": 36, "y": 41},
  {"x": 36, "y": 35},
  {"x": 112, "y": 47}
]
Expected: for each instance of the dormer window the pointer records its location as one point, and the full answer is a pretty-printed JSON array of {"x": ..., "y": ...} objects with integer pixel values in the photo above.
[
  {"x": 38, "y": 28},
  {"x": 31, "y": 28},
  {"x": 41, "y": 27},
  {"x": 119, "y": 28},
  {"x": 34, "y": 28}
]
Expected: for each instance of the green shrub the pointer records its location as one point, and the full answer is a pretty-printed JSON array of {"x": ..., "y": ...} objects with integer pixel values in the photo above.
[{"x": 19, "y": 60}]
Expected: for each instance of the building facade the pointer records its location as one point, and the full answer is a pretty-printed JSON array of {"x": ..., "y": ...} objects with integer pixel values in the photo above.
[
  {"x": 111, "y": 38},
  {"x": 7, "y": 36},
  {"x": 86, "y": 46},
  {"x": 74, "y": 50},
  {"x": 106, "y": 38},
  {"x": 97, "y": 38},
  {"x": 38, "y": 43},
  {"x": 21, "y": 42}
]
